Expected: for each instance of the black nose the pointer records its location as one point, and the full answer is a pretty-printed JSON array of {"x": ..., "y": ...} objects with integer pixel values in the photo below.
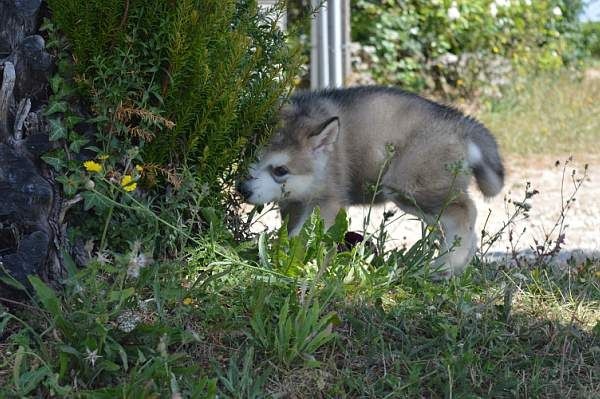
[{"x": 243, "y": 189}]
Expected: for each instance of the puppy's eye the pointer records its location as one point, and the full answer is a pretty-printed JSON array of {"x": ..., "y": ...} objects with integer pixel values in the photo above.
[{"x": 280, "y": 171}]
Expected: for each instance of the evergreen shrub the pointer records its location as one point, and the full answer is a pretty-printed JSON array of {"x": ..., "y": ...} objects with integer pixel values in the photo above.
[{"x": 181, "y": 93}]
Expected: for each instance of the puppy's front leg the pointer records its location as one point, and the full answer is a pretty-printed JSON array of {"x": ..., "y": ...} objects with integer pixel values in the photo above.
[
  {"x": 329, "y": 211},
  {"x": 296, "y": 214}
]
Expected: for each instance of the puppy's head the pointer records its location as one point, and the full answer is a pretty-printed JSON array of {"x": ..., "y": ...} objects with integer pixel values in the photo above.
[{"x": 293, "y": 164}]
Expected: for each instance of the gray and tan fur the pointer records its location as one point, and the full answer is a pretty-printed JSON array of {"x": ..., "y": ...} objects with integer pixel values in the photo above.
[{"x": 334, "y": 144}]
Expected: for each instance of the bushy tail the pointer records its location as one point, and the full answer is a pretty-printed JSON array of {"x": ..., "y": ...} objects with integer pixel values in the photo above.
[{"x": 484, "y": 159}]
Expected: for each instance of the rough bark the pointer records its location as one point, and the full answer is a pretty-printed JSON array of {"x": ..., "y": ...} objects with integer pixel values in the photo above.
[{"x": 30, "y": 201}]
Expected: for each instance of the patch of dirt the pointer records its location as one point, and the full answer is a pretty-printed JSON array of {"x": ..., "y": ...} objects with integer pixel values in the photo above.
[
  {"x": 582, "y": 233},
  {"x": 591, "y": 74}
]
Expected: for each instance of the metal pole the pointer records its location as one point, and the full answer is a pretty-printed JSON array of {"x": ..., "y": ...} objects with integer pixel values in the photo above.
[
  {"x": 319, "y": 74},
  {"x": 347, "y": 66},
  {"x": 336, "y": 73}
]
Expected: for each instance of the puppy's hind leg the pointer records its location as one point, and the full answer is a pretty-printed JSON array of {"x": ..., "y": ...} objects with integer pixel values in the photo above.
[{"x": 458, "y": 241}]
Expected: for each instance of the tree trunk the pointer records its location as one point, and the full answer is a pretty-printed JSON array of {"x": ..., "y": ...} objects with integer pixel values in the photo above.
[{"x": 30, "y": 199}]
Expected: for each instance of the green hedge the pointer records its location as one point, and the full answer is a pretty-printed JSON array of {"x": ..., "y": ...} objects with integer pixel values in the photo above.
[{"x": 459, "y": 46}]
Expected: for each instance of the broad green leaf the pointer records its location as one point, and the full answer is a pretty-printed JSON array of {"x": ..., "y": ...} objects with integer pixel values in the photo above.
[
  {"x": 3, "y": 322},
  {"x": 46, "y": 296},
  {"x": 340, "y": 227},
  {"x": 263, "y": 252},
  {"x": 69, "y": 263},
  {"x": 11, "y": 281},
  {"x": 32, "y": 379}
]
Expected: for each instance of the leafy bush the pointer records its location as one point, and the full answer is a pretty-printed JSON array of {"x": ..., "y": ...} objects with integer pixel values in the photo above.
[
  {"x": 180, "y": 94},
  {"x": 458, "y": 46}
]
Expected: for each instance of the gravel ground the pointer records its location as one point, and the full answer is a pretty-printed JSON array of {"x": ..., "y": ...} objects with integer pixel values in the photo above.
[{"x": 582, "y": 231}]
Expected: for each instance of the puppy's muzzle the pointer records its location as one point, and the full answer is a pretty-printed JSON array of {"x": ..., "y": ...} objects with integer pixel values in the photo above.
[{"x": 244, "y": 190}]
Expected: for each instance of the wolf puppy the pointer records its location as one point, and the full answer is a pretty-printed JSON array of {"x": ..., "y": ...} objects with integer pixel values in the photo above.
[{"x": 334, "y": 145}]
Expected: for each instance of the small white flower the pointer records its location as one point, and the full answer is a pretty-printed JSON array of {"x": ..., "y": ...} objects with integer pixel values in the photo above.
[
  {"x": 453, "y": 12},
  {"x": 92, "y": 356},
  {"x": 493, "y": 10},
  {"x": 557, "y": 11},
  {"x": 103, "y": 258},
  {"x": 502, "y": 3},
  {"x": 137, "y": 260},
  {"x": 414, "y": 31},
  {"x": 527, "y": 2}
]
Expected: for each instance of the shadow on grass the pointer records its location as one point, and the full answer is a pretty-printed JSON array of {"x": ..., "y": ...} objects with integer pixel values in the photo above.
[{"x": 468, "y": 350}]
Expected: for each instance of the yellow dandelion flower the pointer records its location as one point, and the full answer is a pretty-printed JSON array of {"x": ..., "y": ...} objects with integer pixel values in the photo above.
[
  {"x": 103, "y": 157},
  {"x": 92, "y": 166},
  {"x": 139, "y": 168},
  {"x": 188, "y": 301},
  {"x": 127, "y": 183}
]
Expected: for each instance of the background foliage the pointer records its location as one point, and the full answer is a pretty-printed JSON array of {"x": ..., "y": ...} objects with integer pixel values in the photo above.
[
  {"x": 591, "y": 37},
  {"x": 465, "y": 47}
]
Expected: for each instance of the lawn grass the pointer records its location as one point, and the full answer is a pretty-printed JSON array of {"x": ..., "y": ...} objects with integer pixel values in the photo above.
[
  {"x": 554, "y": 114},
  {"x": 285, "y": 319}
]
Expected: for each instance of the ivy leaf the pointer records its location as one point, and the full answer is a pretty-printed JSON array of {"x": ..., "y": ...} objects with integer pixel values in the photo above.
[
  {"x": 55, "y": 162},
  {"x": 72, "y": 120},
  {"x": 57, "y": 130},
  {"x": 55, "y": 83},
  {"x": 56, "y": 107},
  {"x": 70, "y": 184},
  {"x": 46, "y": 296},
  {"x": 76, "y": 144}
]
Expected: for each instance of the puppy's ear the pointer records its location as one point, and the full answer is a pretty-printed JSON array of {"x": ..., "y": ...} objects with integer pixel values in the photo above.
[{"x": 323, "y": 138}]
